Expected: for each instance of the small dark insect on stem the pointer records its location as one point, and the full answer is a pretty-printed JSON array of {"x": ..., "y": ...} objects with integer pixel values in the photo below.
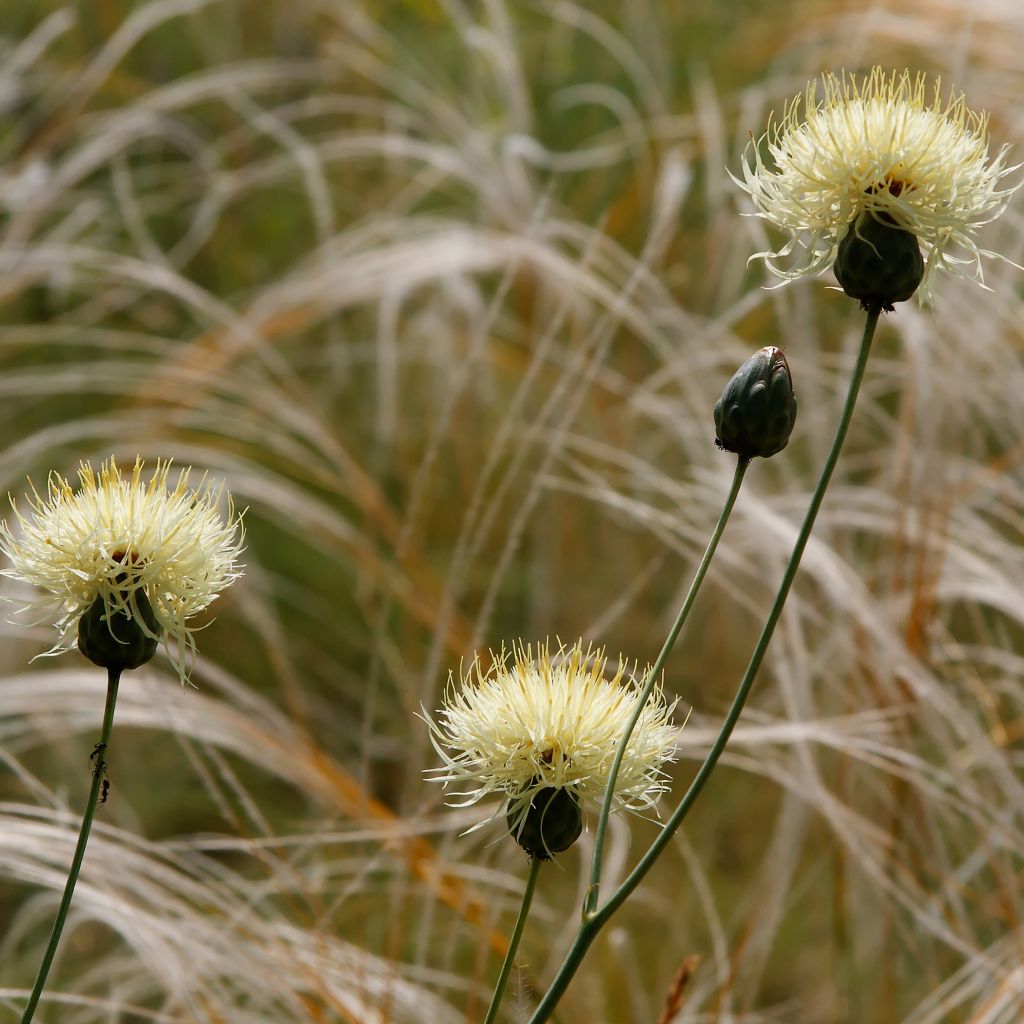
[
  {"x": 100, "y": 784},
  {"x": 100, "y": 770}
]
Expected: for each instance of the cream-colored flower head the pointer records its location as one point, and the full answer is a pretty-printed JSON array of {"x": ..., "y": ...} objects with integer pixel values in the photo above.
[
  {"x": 878, "y": 145},
  {"x": 528, "y": 723},
  {"x": 119, "y": 535}
]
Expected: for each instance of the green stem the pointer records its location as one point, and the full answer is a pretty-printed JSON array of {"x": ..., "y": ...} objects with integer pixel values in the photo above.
[
  {"x": 592, "y": 923},
  {"x": 652, "y": 678},
  {"x": 98, "y": 775},
  {"x": 513, "y": 945}
]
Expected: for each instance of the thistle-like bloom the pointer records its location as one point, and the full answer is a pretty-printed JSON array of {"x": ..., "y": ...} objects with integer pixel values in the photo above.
[
  {"x": 877, "y": 146},
  {"x": 151, "y": 553},
  {"x": 529, "y": 725}
]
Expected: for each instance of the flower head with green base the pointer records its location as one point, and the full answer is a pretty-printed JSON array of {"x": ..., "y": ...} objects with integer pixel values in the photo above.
[
  {"x": 541, "y": 731},
  {"x": 123, "y": 561},
  {"x": 877, "y": 151}
]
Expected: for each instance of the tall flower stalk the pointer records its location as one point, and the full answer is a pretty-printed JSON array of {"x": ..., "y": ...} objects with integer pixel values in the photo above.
[
  {"x": 595, "y": 918},
  {"x": 877, "y": 183},
  {"x": 881, "y": 184},
  {"x": 123, "y": 563}
]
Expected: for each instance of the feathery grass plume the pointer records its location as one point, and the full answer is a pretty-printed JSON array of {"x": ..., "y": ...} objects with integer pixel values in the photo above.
[
  {"x": 531, "y": 727},
  {"x": 877, "y": 146},
  {"x": 151, "y": 553}
]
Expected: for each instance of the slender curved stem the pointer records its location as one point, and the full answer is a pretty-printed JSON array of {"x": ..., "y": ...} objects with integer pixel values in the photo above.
[
  {"x": 652, "y": 677},
  {"x": 513, "y": 945},
  {"x": 99, "y": 773},
  {"x": 593, "y": 922}
]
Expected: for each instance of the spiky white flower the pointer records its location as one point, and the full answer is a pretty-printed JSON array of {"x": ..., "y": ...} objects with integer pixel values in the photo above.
[
  {"x": 552, "y": 721},
  {"x": 117, "y": 536},
  {"x": 877, "y": 145}
]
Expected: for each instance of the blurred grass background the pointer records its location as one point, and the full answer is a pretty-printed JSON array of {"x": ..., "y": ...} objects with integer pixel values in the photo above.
[{"x": 446, "y": 291}]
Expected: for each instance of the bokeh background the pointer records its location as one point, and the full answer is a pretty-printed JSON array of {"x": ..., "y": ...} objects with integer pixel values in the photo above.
[{"x": 445, "y": 291}]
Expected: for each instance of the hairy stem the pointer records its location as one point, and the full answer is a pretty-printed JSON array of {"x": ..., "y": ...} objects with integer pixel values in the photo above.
[
  {"x": 513, "y": 945},
  {"x": 99, "y": 772}
]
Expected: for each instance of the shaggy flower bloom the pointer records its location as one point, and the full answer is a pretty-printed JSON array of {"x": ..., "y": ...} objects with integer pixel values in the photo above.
[
  {"x": 877, "y": 146},
  {"x": 552, "y": 722},
  {"x": 119, "y": 536}
]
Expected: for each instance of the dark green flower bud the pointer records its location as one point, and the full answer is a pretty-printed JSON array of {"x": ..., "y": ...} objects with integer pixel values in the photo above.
[
  {"x": 118, "y": 640},
  {"x": 552, "y": 823},
  {"x": 878, "y": 263},
  {"x": 757, "y": 410}
]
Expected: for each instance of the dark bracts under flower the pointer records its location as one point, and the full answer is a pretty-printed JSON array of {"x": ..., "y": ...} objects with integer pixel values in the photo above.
[
  {"x": 122, "y": 638},
  {"x": 878, "y": 263},
  {"x": 550, "y": 825}
]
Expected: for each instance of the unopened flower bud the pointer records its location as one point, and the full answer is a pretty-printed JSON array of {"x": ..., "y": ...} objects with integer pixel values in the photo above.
[
  {"x": 553, "y": 822},
  {"x": 878, "y": 262},
  {"x": 757, "y": 410},
  {"x": 115, "y": 638}
]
